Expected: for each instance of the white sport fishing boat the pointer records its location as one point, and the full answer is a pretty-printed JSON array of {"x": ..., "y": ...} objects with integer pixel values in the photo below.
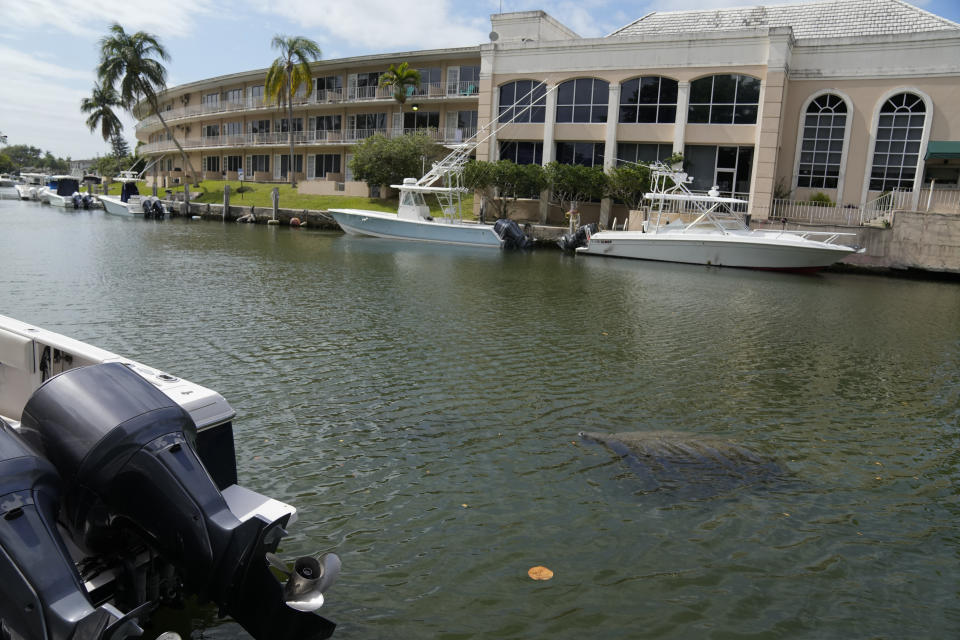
[
  {"x": 413, "y": 220},
  {"x": 706, "y": 229},
  {"x": 59, "y": 190},
  {"x": 119, "y": 494},
  {"x": 130, "y": 203}
]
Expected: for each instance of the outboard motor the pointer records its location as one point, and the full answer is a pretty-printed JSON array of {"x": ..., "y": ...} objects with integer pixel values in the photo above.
[
  {"x": 87, "y": 200},
  {"x": 77, "y": 200},
  {"x": 126, "y": 452},
  {"x": 153, "y": 208},
  {"x": 511, "y": 234},
  {"x": 579, "y": 238},
  {"x": 41, "y": 594}
]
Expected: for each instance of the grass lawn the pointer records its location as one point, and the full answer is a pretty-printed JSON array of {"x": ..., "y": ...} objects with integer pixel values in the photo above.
[{"x": 258, "y": 195}]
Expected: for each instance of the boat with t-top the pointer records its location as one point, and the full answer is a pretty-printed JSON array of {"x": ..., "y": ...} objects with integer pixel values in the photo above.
[
  {"x": 710, "y": 229},
  {"x": 444, "y": 181}
]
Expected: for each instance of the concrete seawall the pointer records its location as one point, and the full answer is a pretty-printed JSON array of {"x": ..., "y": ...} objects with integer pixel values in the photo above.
[{"x": 914, "y": 241}]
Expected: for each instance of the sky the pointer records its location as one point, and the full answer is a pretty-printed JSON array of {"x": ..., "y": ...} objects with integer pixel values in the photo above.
[{"x": 49, "y": 48}]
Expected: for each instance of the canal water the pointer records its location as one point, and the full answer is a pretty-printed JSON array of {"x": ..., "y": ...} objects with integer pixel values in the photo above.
[{"x": 421, "y": 406}]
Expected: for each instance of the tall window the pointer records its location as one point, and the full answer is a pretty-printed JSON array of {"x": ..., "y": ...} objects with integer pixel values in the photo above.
[
  {"x": 328, "y": 123},
  {"x": 282, "y": 125},
  {"x": 897, "y": 150},
  {"x": 233, "y": 163},
  {"x": 724, "y": 99},
  {"x": 285, "y": 163},
  {"x": 583, "y": 100},
  {"x": 211, "y": 131},
  {"x": 258, "y": 126},
  {"x": 232, "y": 128},
  {"x": 648, "y": 99},
  {"x": 255, "y": 94},
  {"x": 589, "y": 154},
  {"x": 211, "y": 163},
  {"x": 521, "y": 152},
  {"x": 642, "y": 152},
  {"x": 463, "y": 80},
  {"x": 370, "y": 122},
  {"x": 325, "y": 163},
  {"x": 233, "y": 96},
  {"x": 430, "y": 78},
  {"x": 211, "y": 99},
  {"x": 822, "y": 146},
  {"x": 260, "y": 163},
  {"x": 516, "y": 99}
]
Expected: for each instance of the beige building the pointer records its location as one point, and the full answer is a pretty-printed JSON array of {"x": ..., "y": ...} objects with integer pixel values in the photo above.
[{"x": 848, "y": 98}]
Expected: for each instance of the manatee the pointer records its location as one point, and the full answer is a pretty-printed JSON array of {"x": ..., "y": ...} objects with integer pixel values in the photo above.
[{"x": 674, "y": 460}]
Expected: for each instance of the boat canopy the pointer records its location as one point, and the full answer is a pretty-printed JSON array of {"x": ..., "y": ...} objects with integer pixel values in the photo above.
[{"x": 67, "y": 186}]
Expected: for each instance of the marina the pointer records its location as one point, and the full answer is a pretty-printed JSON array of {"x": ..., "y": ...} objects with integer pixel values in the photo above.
[{"x": 421, "y": 405}]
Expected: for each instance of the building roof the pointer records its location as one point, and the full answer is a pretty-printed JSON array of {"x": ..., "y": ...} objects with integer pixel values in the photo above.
[{"x": 828, "y": 19}]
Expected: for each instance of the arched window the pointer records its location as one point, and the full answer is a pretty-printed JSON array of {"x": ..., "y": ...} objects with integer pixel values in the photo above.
[
  {"x": 821, "y": 148},
  {"x": 583, "y": 100},
  {"x": 648, "y": 99},
  {"x": 897, "y": 150},
  {"x": 724, "y": 99},
  {"x": 515, "y": 96}
]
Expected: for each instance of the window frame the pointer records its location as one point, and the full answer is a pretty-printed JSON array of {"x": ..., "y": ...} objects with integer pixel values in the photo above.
[
  {"x": 576, "y": 110},
  {"x": 536, "y": 93},
  {"x": 801, "y": 140},
  {"x": 720, "y": 108},
  {"x": 660, "y": 108}
]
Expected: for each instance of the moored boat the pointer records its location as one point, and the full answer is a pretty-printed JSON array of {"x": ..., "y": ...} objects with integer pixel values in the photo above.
[
  {"x": 119, "y": 494},
  {"x": 30, "y": 185},
  {"x": 707, "y": 229}
]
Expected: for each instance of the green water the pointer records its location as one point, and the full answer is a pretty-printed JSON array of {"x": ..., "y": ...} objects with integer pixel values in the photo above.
[{"x": 420, "y": 405}]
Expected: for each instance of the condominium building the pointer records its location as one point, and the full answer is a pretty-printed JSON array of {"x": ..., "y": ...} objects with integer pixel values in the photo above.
[{"x": 849, "y": 98}]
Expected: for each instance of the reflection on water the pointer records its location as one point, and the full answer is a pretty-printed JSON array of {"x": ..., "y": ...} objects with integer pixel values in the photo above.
[{"x": 420, "y": 405}]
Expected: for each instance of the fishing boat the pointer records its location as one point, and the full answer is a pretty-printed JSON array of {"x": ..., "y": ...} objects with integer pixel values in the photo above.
[
  {"x": 119, "y": 495},
  {"x": 414, "y": 222},
  {"x": 64, "y": 191},
  {"x": 709, "y": 229},
  {"x": 30, "y": 185},
  {"x": 130, "y": 203},
  {"x": 444, "y": 181}
]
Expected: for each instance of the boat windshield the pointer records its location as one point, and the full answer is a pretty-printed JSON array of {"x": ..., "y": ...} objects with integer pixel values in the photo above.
[{"x": 412, "y": 199}]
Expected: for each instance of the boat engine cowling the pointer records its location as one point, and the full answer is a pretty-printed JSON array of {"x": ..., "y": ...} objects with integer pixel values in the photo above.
[
  {"x": 41, "y": 593},
  {"x": 579, "y": 238},
  {"x": 77, "y": 200},
  {"x": 126, "y": 452},
  {"x": 513, "y": 237}
]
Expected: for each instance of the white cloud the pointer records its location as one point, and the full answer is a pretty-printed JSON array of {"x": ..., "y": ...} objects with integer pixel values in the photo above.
[
  {"x": 383, "y": 25},
  {"x": 87, "y": 18}
]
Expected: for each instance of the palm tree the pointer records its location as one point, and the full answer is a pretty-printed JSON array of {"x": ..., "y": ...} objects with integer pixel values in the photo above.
[
  {"x": 399, "y": 78},
  {"x": 286, "y": 75},
  {"x": 127, "y": 59},
  {"x": 100, "y": 107}
]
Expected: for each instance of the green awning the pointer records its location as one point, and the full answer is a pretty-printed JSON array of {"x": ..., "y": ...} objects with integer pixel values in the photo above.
[{"x": 945, "y": 150}]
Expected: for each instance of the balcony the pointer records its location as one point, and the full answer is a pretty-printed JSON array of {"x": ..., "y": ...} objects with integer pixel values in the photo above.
[
  {"x": 309, "y": 138},
  {"x": 325, "y": 96}
]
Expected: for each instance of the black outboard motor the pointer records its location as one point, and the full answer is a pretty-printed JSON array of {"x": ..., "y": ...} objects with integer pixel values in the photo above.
[
  {"x": 579, "y": 238},
  {"x": 511, "y": 234},
  {"x": 127, "y": 455},
  {"x": 154, "y": 208},
  {"x": 77, "y": 200},
  {"x": 41, "y": 593},
  {"x": 87, "y": 200}
]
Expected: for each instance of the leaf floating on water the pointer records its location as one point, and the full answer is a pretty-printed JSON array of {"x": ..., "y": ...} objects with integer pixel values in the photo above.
[
  {"x": 605, "y": 333},
  {"x": 540, "y": 573},
  {"x": 464, "y": 505}
]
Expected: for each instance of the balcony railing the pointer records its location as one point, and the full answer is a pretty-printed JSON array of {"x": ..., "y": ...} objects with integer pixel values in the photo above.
[
  {"x": 319, "y": 137},
  {"x": 324, "y": 96}
]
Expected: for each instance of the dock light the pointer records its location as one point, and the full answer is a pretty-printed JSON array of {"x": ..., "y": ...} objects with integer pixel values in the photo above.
[{"x": 415, "y": 107}]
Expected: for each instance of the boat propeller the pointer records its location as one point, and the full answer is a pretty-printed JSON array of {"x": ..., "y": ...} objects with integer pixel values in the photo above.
[{"x": 308, "y": 580}]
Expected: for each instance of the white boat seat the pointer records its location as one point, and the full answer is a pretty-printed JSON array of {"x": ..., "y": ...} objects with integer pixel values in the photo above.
[{"x": 16, "y": 351}]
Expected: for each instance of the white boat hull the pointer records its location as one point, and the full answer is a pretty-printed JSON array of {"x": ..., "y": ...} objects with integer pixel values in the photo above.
[
  {"x": 387, "y": 225},
  {"x": 113, "y": 205},
  {"x": 28, "y": 191},
  {"x": 754, "y": 250}
]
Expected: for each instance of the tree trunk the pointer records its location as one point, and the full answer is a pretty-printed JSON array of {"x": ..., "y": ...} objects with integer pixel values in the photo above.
[{"x": 293, "y": 181}]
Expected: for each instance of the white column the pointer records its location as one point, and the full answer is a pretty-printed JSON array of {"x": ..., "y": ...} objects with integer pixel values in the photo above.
[
  {"x": 493, "y": 148},
  {"x": 548, "y": 124},
  {"x": 613, "y": 116},
  {"x": 610, "y": 147},
  {"x": 683, "y": 107},
  {"x": 548, "y": 147}
]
